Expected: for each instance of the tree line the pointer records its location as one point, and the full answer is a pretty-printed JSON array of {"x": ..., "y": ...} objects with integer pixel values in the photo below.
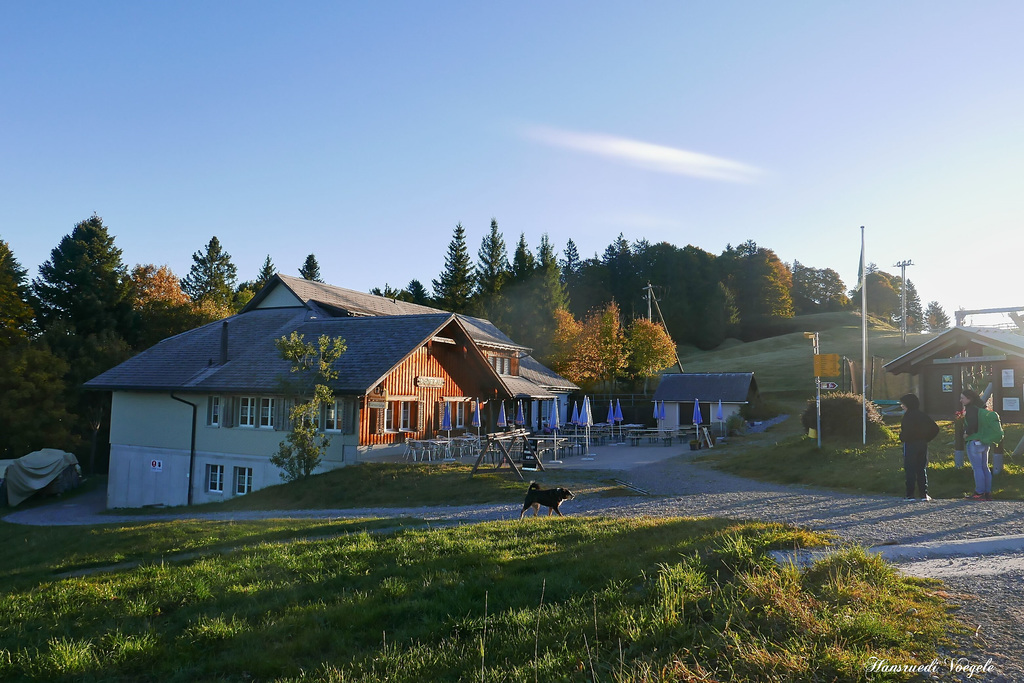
[{"x": 585, "y": 317}]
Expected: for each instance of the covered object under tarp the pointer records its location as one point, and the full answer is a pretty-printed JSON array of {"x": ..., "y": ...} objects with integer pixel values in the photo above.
[{"x": 48, "y": 470}]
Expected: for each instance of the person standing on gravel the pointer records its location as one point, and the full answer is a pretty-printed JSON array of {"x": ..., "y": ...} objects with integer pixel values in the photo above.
[
  {"x": 977, "y": 452},
  {"x": 916, "y": 430}
]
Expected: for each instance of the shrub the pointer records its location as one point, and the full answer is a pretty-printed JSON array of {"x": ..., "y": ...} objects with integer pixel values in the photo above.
[
  {"x": 735, "y": 424},
  {"x": 841, "y": 416},
  {"x": 760, "y": 410}
]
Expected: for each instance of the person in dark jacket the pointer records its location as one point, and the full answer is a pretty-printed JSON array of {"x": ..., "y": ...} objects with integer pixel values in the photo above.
[{"x": 916, "y": 430}]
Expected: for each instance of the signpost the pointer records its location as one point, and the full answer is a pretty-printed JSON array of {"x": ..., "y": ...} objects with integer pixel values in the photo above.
[{"x": 829, "y": 385}]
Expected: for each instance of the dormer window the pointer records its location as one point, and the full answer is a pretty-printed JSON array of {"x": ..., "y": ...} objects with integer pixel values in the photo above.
[{"x": 502, "y": 365}]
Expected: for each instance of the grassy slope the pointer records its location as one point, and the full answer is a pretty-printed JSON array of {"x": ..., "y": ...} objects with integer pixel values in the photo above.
[{"x": 784, "y": 364}]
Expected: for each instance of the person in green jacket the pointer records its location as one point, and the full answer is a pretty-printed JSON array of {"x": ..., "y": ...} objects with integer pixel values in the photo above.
[{"x": 977, "y": 452}]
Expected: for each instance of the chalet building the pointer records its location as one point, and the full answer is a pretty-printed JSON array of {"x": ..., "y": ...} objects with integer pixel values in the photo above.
[
  {"x": 967, "y": 357},
  {"x": 681, "y": 390},
  {"x": 210, "y": 406}
]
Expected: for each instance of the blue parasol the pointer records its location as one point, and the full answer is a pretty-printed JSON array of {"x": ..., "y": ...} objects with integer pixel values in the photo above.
[
  {"x": 475, "y": 422},
  {"x": 446, "y": 419},
  {"x": 661, "y": 411},
  {"x": 720, "y": 417},
  {"x": 586, "y": 420},
  {"x": 502, "y": 422},
  {"x": 697, "y": 419},
  {"x": 575, "y": 414},
  {"x": 519, "y": 415},
  {"x": 553, "y": 423},
  {"x": 618, "y": 418}
]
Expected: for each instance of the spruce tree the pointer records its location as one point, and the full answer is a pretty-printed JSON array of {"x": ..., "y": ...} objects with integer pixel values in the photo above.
[
  {"x": 935, "y": 317},
  {"x": 523, "y": 262},
  {"x": 418, "y": 293},
  {"x": 492, "y": 267},
  {"x": 454, "y": 289},
  {"x": 310, "y": 270},
  {"x": 84, "y": 286},
  {"x": 212, "y": 277},
  {"x": 268, "y": 271},
  {"x": 570, "y": 263},
  {"x": 16, "y": 315}
]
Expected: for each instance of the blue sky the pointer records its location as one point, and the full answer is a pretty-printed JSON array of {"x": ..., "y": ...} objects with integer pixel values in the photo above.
[{"x": 363, "y": 132}]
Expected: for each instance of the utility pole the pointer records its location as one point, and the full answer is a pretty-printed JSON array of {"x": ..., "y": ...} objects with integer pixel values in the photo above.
[
  {"x": 902, "y": 265},
  {"x": 650, "y": 317}
]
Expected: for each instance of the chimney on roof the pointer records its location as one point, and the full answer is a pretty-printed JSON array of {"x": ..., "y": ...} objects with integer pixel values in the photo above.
[{"x": 223, "y": 343}]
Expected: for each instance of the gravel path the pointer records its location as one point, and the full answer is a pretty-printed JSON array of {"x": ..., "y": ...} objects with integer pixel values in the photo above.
[{"x": 987, "y": 588}]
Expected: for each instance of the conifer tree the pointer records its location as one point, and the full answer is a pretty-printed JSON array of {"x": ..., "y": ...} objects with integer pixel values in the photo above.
[
  {"x": 454, "y": 288},
  {"x": 267, "y": 271},
  {"x": 84, "y": 285},
  {"x": 16, "y": 315},
  {"x": 570, "y": 263},
  {"x": 310, "y": 270},
  {"x": 212, "y": 277},
  {"x": 418, "y": 293},
  {"x": 935, "y": 317},
  {"x": 523, "y": 262},
  {"x": 492, "y": 266}
]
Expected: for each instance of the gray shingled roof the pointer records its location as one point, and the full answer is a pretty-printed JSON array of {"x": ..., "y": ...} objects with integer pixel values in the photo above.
[
  {"x": 349, "y": 300},
  {"x": 190, "y": 361},
  {"x": 728, "y": 387}
]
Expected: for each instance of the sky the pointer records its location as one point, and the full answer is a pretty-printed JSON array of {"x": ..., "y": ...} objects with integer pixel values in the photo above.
[{"x": 363, "y": 132}]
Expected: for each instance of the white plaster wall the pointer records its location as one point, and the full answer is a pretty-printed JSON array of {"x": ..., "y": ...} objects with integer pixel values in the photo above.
[{"x": 153, "y": 426}]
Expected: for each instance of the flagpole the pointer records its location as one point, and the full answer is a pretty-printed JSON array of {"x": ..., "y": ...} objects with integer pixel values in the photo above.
[{"x": 863, "y": 338}]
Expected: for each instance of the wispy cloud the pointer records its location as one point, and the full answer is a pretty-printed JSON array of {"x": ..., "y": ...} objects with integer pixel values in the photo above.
[{"x": 646, "y": 155}]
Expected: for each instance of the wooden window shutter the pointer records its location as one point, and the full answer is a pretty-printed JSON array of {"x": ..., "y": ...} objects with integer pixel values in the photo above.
[
  {"x": 209, "y": 410},
  {"x": 438, "y": 414},
  {"x": 421, "y": 416},
  {"x": 379, "y": 427}
]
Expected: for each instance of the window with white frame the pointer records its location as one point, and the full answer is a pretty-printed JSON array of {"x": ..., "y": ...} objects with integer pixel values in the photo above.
[
  {"x": 331, "y": 417},
  {"x": 405, "y": 419},
  {"x": 460, "y": 415},
  {"x": 247, "y": 411},
  {"x": 389, "y": 416},
  {"x": 214, "y": 411},
  {"x": 267, "y": 412},
  {"x": 215, "y": 478},
  {"x": 243, "y": 480}
]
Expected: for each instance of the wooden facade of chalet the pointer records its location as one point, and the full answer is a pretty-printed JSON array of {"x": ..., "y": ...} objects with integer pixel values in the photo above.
[{"x": 409, "y": 402}]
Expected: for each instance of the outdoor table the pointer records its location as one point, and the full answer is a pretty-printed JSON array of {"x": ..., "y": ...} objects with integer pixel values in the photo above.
[{"x": 552, "y": 444}]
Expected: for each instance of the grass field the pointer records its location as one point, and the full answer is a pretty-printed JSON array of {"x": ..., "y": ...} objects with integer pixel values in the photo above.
[{"x": 554, "y": 600}]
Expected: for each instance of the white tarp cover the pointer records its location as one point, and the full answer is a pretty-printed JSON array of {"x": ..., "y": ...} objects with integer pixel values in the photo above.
[{"x": 35, "y": 471}]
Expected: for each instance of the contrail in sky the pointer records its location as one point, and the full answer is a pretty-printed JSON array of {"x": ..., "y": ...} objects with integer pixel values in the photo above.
[{"x": 647, "y": 155}]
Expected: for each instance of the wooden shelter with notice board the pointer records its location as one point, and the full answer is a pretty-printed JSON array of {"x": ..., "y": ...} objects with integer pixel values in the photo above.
[{"x": 967, "y": 358}]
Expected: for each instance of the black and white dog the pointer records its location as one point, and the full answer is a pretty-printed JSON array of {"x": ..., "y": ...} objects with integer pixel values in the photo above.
[{"x": 549, "y": 498}]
